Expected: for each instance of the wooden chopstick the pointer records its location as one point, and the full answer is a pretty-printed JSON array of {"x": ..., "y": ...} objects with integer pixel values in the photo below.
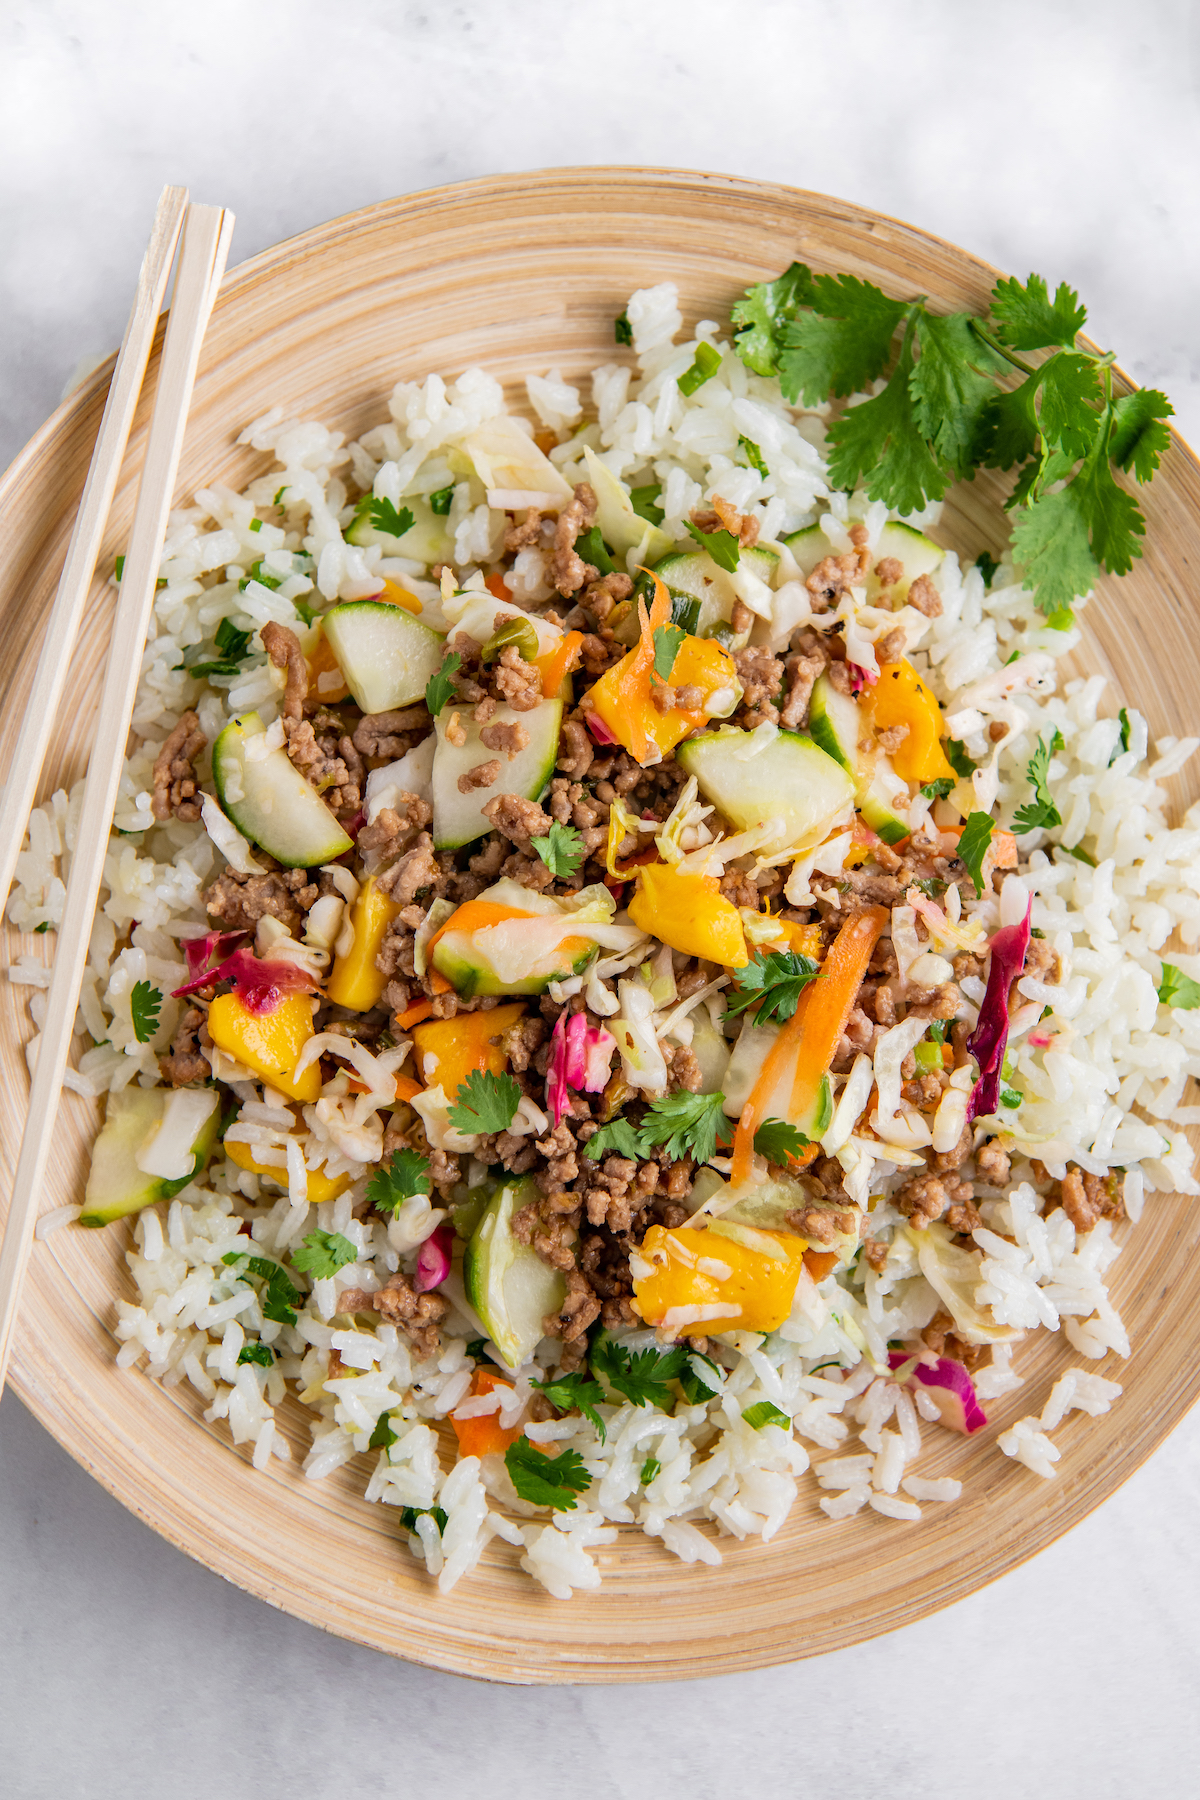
[
  {"x": 62, "y": 627},
  {"x": 206, "y": 236}
]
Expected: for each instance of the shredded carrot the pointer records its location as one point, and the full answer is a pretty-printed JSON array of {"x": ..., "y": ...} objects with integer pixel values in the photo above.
[
  {"x": 484, "y": 1436},
  {"x": 811, "y": 1035},
  {"x": 420, "y": 1009},
  {"x": 395, "y": 595},
  {"x": 406, "y": 1087},
  {"x": 557, "y": 664},
  {"x": 473, "y": 915},
  {"x": 496, "y": 586},
  {"x": 820, "y": 1263}
]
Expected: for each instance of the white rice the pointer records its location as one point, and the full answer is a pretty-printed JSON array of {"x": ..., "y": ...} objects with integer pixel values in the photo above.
[{"x": 1105, "y": 1081}]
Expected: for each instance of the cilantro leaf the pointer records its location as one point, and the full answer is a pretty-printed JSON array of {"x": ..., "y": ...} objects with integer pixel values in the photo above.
[
  {"x": 441, "y": 502},
  {"x": 262, "y": 1354},
  {"x": 1079, "y": 854},
  {"x": 1040, "y": 813},
  {"x": 958, "y": 759},
  {"x": 576, "y": 1390},
  {"x": 972, "y": 846},
  {"x": 937, "y": 790},
  {"x": 765, "y": 1412},
  {"x": 382, "y": 1437},
  {"x": 561, "y": 850},
  {"x": 754, "y": 456},
  {"x": 667, "y": 639},
  {"x": 384, "y": 516},
  {"x": 843, "y": 343},
  {"x": 1052, "y": 551},
  {"x": 880, "y": 444},
  {"x": 620, "y": 1137},
  {"x": 642, "y": 1375},
  {"x": 772, "y": 983},
  {"x": 644, "y": 501},
  {"x": 1139, "y": 438},
  {"x": 439, "y": 687},
  {"x": 721, "y": 545},
  {"x": 622, "y": 329},
  {"x": 951, "y": 387},
  {"x": 406, "y": 1175},
  {"x": 1178, "y": 989},
  {"x": 279, "y": 1297},
  {"x": 987, "y": 566},
  {"x": 485, "y": 1103},
  {"x": 1027, "y": 318},
  {"x": 410, "y": 1514},
  {"x": 705, "y": 364},
  {"x": 1011, "y": 425},
  {"x": 546, "y": 1480},
  {"x": 691, "y": 1380},
  {"x": 231, "y": 642},
  {"x": 688, "y": 1124},
  {"x": 593, "y": 549},
  {"x": 145, "y": 1003},
  {"x": 759, "y": 317},
  {"x": 650, "y": 1468},
  {"x": 1068, "y": 402},
  {"x": 777, "y": 1141},
  {"x": 323, "y": 1253}
]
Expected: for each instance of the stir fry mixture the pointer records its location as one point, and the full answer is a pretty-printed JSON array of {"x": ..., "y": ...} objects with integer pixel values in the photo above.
[{"x": 617, "y": 922}]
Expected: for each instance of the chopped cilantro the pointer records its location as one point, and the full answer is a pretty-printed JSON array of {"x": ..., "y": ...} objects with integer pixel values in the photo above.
[
  {"x": 410, "y": 1514},
  {"x": 306, "y": 612},
  {"x": 561, "y": 850},
  {"x": 279, "y": 1297},
  {"x": 987, "y": 566},
  {"x": 441, "y": 502},
  {"x": 650, "y": 1468},
  {"x": 641, "y": 1375},
  {"x": 619, "y": 1136},
  {"x": 145, "y": 1003},
  {"x": 667, "y": 639},
  {"x": 721, "y": 545},
  {"x": 972, "y": 846},
  {"x": 688, "y": 1124},
  {"x": 230, "y": 641},
  {"x": 576, "y": 1390},
  {"x": 593, "y": 549},
  {"x": 485, "y": 1103},
  {"x": 1040, "y": 813},
  {"x": 937, "y": 790},
  {"x": 264, "y": 577},
  {"x": 644, "y": 501},
  {"x": 937, "y": 1030},
  {"x": 257, "y": 1353},
  {"x": 777, "y": 1141},
  {"x": 705, "y": 364},
  {"x": 45, "y": 924},
  {"x": 323, "y": 1253},
  {"x": 439, "y": 687},
  {"x": 546, "y": 1480},
  {"x": 765, "y": 1412},
  {"x": 406, "y": 1175},
  {"x": 1178, "y": 989},
  {"x": 1079, "y": 854},
  {"x": 695, "y": 1388},
  {"x": 772, "y": 984},
  {"x": 958, "y": 759},
  {"x": 478, "y": 1349},
  {"x": 382, "y": 1437},
  {"x": 622, "y": 329},
  {"x": 754, "y": 456},
  {"x": 384, "y": 516}
]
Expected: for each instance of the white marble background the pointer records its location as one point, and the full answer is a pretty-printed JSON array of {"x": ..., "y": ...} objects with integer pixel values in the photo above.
[{"x": 1059, "y": 136}]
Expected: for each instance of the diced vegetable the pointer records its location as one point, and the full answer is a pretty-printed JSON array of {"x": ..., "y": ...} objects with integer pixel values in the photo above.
[
  {"x": 507, "y": 1283},
  {"x": 990, "y": 1037},
  {"x": 325, "y": 679},
  {"x": 433, "y": 1259},
  {"x": 116, "y": 1185},
  {"x": 580, "y": 1055},
  {"x": 386, "y": 655},
  {"x": 354, "y": 981},
  {"x": 689, "y": 912},
  {"x": 784, "y": 777},
  {"x": 702, "y": 1281},
  {"x": 320, "y": 1185},
  {"x": 426, "y": 540},
  {"x": 900, "y": 697},
  {"x": 458, "y": 818},
  {"x": 622, "y": 697},
  {"x": 271, "y": 1043},
  {"x": 950, "y": 1388},
  {"x": 484, "y": 1435},
  {"x": 694, "y": 575},
  {"x": 271, "y": 803},
  {"x": 447, "y": 1050}
]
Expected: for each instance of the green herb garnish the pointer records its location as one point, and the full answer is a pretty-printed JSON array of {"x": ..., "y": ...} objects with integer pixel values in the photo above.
[
  {"x": 772, "y": 984},
  {"x": 1178, "y": 989},
  {"x": 407, "y": 1174},
  {"x": 485, "y": 1103},
  {"x": 576, "y": 1390},
  {"x": 384, "y": 516},
  {"x": 705, "y": 364},
  {"x": 721, "y": 545},
  {"x": 546, "y": 1480},
  {"x": 972, "y": 846},
  {"x": 778, "y": 1141},
  {"x": 561, "y": 850},
  {"x": 441, "y": 502},
  {"x": 439, "y": 687},
  {"x": 145, "y": 1004},
  {"x": 323, "y": 1253}
]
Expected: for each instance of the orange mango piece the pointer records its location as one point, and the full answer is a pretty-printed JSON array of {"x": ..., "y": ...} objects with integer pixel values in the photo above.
[
  {"x": 690, "y": 913},
  {"x": 320, "y": 1185},
  {"x": 622, "y": 696},
  {"x": 900, "y": 697},
  {"x": 447, "y": 1050},
  {"x": 693, "y": 1269},
  {"x": 269, "y": 1043},
  {"x": 355, "y": 981},
  {"x": 555, "y": 665},
  {"x": 395, "y": 595}
]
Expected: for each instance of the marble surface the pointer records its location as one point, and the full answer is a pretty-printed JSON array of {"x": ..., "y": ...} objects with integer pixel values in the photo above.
[{"x": 1055, "y": 135}]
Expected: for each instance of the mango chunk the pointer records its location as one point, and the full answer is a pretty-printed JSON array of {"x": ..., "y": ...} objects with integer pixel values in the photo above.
[
  {"x": 269, "y": 1043},
  {"x": 702, "y": 1281},
  {"x": 355, "y": 982}
]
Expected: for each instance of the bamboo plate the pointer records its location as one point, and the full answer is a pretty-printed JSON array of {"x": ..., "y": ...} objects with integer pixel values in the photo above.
[{"x": 520, "y": 273}]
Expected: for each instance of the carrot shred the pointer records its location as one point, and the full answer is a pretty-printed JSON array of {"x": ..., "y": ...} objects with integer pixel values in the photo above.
[
  {"x": 557, "y": 664},
  {"x": 412, "y": 1015},
  {"x": 497, "y": 586},
  {"x": 484, "y": 1436}
]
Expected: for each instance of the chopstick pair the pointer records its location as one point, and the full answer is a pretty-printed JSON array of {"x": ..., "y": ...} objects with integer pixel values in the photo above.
[{"x": 206, "y": 233}]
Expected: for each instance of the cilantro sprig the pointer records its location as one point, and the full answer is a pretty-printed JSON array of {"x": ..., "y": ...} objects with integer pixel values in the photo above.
[
  {"x": 948, "y": 408},
  {"x": 384, "y": 516},
  {"x": 278, "y": 1298},
  {"x": 667, "y": 639},
  {"x": 721, "y": 545},
  {"x": 407, "y": 1174},
  {"x": 439, "y": 687},
  {"x": 1040, "y": 813},
  {"x": 485, "y": 1103},
  {"x": 323, "y": 1253},
  {"x": 778, "y": 1141},
  {"x": 561, "y": 850},
  {"x": 1178, "y": 989},
  {"x": 688, "y": 1125},
  {"x": 972, "y": 845},
  {"x": 640, "y": 1375},
  {"x": 576, "y": 1390},
  {"x": 145, "y": 1004},
  {"x": 772, "y": 983},
  {"x": 546, "y": 1480}
]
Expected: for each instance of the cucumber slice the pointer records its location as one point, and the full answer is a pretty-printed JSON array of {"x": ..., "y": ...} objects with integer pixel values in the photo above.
[
  {"x": 115, "y": 1184},
  {"x": 916, "y": 554},
  {"x": 507, "y": 1283},
  {"x": 837, "y": 725},
  {"x": 427, "y": 539},
  {"x": 787, "y": 778},
  {"x": 621, "y": 528},
  {"x": 879, "y": 814},
  {"x": 695, "y": 576},
  {"x": 745, "y": 1066},
  {"x": 458, "y": 818},
  {"x": 386, "y": 655},
  {"x": 271, "y": 803},
  {"x": 457, "y": 957},
  {"x": 766, "y": 1209}
]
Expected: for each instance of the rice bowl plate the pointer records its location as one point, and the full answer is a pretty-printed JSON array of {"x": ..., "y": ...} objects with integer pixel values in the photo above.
[{"x": 925, "y": 1248}]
